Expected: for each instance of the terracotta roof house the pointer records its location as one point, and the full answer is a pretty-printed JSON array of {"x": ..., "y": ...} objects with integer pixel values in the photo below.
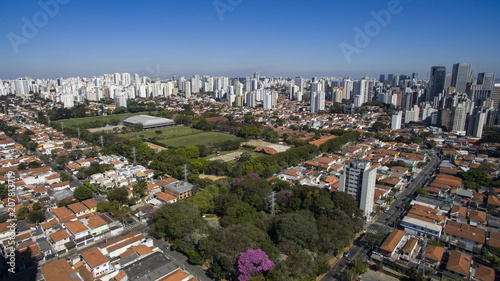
[{"x": 459, "y": 263}]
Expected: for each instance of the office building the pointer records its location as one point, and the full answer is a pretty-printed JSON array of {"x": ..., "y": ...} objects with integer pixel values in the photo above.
[
  {"x": 487, "y": 80},
  {"x": 358, "y": 180},
  {"x": 460, "y": 76},
  {"x": 437, "y": 80}
]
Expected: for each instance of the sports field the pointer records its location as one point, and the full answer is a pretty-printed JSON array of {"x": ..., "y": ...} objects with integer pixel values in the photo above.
[
  {"x": 78, "y": 121},
  {"x": 201, "y": 138},
  {"x": 166, "y": 133}
]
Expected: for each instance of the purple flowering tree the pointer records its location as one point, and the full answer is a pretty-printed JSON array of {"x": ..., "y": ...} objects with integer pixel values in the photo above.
[
  {"x": 253, "y": 176},
  {"x": 252, "y": 262}
]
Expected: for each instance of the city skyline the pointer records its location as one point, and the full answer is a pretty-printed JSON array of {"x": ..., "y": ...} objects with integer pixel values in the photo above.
[{"x": 237, "y": 38}]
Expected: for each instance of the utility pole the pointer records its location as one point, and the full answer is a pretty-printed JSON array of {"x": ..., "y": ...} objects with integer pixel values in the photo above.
[
  {"x": 133, "y": 151},
  {"x": 273, "y": 201}
]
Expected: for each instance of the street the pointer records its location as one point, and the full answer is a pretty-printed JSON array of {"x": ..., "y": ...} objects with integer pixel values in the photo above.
[{"x": 382, "y": 224}]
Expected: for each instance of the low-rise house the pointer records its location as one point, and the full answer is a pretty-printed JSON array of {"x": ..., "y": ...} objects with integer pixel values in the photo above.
[
  {"x": 79, "y": 232},
  {"x": 59, "y": 239},
  {"x": 165, "y": 198},
  {"x": 91, "y": 204},
  {"x": 392, "y": 243},
  {"x": 477, "y": 217},
  {"x": 78, "y": 209},
  {"x": 433, "y": 255},
  {"x": 179, "y": 189},
  {"x": 459, "y": 264},
  {"x": 484, "y": 273},
  {"x": 96, "y": 262},
  {"x": 464, "y": 236},
  {"x": 60, "y": 270}
]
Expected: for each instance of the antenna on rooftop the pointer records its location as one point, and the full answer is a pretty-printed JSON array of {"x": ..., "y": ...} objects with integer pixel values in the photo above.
[
  {"x": 185, "y": 175},
  {"x": 62, "y": 127},
  {"x": 78, "y": 132},
  {"x": 102, "y": 141}
]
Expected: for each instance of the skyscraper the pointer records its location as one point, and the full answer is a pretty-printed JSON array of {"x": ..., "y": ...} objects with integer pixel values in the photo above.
[
  {"x": 460, "y": 76},
  {"x": 487, "y": 80},
  {"x": 21, "y": 86},
  {"x": 458, "y": 118},
  {"x": 396, "y": 120},
  {"x": 437, "y": 78},
  {"x": 267, "y": 101},
  {"x": 358, "y": 180}
]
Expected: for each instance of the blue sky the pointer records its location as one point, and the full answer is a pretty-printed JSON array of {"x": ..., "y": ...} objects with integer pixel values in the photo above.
[{"x": 276, "y": 38}]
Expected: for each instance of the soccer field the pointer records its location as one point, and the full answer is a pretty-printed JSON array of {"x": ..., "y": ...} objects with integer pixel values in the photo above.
[
  {"x": 166, "y": 133},
  {"x": 198, "y": 139}
]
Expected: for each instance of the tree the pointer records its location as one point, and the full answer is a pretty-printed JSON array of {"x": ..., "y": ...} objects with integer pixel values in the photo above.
[
  {"x": 421, "y": 191},
  {"x": 65, "y": 176},
  {"x": 297, "y": 228},
  {"x": 249, "y": 132},
  {"x": 139, "y": 189},
  {"x": 22, "y": 213},
  {"x": 82, "y": 193},
  {"x": 176, "y": 220},
  {"x": 252, "y": 262},
  {"x": 118, "y": 194},
  {"x": 158, "y": 132},
  {"x": 359, "y": 266},
  {"x": 36, "y": 216}
]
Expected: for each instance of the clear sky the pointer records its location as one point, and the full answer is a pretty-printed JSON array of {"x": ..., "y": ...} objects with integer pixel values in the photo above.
[{"x": 275, "y": 37}]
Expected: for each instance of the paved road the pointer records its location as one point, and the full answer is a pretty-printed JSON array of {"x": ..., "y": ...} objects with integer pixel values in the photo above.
[{"x": 382, "y": 224}]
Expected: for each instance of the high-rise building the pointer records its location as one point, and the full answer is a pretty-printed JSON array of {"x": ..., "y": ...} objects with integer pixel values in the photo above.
[
  {"x": 487, "y": 80},
  {"x": 458, "y": 118},
  {"x": 121, "y": 99},
  {"x": 460, "y": 76},
  {"x": 21, "y": 87},
  {"x": 187, "y": 86},
  {"x": 479, "y": 121},
  {"x": 299, "y": 81},
  {"x": 396, "y": 120},
  {"x": 438, "y": 75},
  {"x": 495, "y": 95},
  {"x": 412, "y": 115},
  {"x": 358, "y": 180},
  {"x": 267, "y": 102},
  {"x": 382, "y": 78},
  {"x": 250, "y": 99}
]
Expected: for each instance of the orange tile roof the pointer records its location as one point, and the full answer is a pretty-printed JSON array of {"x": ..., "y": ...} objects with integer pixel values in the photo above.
[
  {"x": 392, "y": 241},
  {"x": 77, "y": 207},
  {"x": 94, "y": 258},
  {"x": 59, "y": 270},
  {"x": 459, "y": 263},
  {"x": 485, "y": 273},
  {"x": 177, "y": 275},
  {"x": 59, "y": 235},
  {"x": 75, "y": 226},
  {"x": 434, "y": 253}
]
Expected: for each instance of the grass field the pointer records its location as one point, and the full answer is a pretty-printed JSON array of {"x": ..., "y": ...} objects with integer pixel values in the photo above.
[
  {"x": 201, "y": 138},
  {"x": 78, "y": 121},
  {"x": 166, "y": 133}
]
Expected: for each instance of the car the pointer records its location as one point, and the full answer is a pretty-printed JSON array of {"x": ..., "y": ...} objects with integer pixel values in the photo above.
[{"x": 346, "y": 254}]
